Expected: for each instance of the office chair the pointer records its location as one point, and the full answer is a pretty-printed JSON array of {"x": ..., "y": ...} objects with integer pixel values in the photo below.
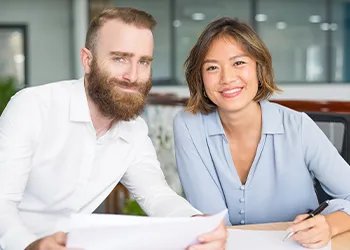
[{"x": 344, "y": 119}]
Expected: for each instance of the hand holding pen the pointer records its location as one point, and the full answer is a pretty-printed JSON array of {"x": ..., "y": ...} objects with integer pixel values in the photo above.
[{"x": 311, "y": 230}]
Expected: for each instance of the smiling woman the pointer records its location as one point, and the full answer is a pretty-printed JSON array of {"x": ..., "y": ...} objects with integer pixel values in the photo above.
[
  {"x": 235, "y": 150},
  {"x": 227, "y": 55}
]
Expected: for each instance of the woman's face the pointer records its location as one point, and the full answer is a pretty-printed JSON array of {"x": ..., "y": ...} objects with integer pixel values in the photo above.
[{"x": 229, "y": 75}]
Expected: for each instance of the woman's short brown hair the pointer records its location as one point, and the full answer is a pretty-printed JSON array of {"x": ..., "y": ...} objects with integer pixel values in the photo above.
[{"x": 242, "y": 33}]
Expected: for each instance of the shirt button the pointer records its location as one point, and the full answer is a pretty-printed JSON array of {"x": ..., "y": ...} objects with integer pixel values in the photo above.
[
  {"x": 242, "y": 187},
  {"x": 242, "y": 222},
  {"x": 241, "y": 200},
  {"x": 242, "y": 211}
]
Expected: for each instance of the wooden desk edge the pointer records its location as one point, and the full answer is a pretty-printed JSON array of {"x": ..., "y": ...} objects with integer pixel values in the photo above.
[{"x": 339, "y": 242}]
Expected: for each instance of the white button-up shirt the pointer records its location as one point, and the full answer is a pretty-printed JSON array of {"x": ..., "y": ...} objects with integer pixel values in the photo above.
[{"x": 52, "y": 164}]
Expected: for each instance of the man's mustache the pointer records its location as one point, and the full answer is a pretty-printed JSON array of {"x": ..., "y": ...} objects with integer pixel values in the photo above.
[{"x": 126, "y": 84}]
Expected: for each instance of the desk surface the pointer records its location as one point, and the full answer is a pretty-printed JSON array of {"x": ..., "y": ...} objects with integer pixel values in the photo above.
[{"x": 339, "y": 242}]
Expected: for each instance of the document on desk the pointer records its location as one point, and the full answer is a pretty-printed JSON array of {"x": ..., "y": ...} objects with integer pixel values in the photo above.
[
  {"x": 107, "y": 232},
  {"x": 264, "y": 240}
]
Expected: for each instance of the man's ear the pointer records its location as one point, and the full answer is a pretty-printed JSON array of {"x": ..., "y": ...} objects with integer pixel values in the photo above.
[{"x": 86, "y": 59}]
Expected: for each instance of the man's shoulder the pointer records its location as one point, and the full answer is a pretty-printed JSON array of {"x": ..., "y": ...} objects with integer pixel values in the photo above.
[
  {"x": 134, "y": 130},
  {"x": 46, "y": 92}
]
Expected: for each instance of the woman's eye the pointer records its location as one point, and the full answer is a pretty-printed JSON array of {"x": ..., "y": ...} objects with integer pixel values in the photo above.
[
  {"x": 211, "y": 68},
  {"x": 238, "y": 63}
]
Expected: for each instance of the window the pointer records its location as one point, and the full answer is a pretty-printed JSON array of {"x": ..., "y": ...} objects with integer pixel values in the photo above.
[
  {"x": 295, "y": 33},
  {"x": 307, "y": 38},
  {"x": 192, "y": 16},
  {"x": 13, "y": 53},
  {"x": 340, "y": 34}
]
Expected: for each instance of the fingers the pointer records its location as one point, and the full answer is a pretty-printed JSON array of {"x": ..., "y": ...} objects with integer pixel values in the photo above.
[
  {"x": 220, "y": 233},
  {"x": 318, "y": 220},
  {"x": 311, "y": 233},
  {"x": 209, "y": 246},
  {"x": 316, "y": 245},
  {"x": 300, "y": 218},
  {"x": 60, "y": 238},
  {"x": 215, "y": 240},
  {"x": 307, "y": 237},
  {"x": 302, "y": 224}
]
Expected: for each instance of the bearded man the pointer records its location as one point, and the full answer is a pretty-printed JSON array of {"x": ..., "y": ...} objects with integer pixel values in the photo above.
[{"x": 64, "y": 146}]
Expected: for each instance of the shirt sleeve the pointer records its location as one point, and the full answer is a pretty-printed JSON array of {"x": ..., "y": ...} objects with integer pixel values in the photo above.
[
  {"x": 146, "y": 182},
  {"x": 325, "y": 162},
  {"x": 199, "y": 186},
  {"x": 17, "y": 128}
]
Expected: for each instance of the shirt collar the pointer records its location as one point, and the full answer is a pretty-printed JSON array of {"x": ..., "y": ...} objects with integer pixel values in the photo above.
[
  {"x": 80, "y": 112},
  {"x": 123, "y": 130},
  {"x": 271, "y": 120},
  {"x": 79, "y": 108}
]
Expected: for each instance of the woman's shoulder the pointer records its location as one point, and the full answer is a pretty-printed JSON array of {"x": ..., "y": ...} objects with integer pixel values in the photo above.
[
  {"x": 186, "y": 117},
  {"x": 288, "y": 115}
]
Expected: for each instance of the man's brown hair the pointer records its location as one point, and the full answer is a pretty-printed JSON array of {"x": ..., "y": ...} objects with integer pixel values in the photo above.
[
  {"x": 243, "y": 34},
  {"x": 127, "y": 15}
]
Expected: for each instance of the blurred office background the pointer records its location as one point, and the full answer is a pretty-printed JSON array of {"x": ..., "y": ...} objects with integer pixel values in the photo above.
[{"x": 309, "y": 41}]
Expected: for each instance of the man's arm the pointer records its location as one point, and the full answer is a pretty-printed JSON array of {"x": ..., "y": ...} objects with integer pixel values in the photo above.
[
  {"x": 17, "y": 130},
  {"x": 146, "y": 182}
]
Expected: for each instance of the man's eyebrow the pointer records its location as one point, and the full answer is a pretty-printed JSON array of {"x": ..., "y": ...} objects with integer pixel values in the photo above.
[
  {"x": 129, "y": 54},
  {"x": 146, "y": 58},
  {"x": 120, "y": 53}
]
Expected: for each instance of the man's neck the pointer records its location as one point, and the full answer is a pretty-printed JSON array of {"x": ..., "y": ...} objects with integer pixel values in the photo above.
[{"x": 101, "y": 123}]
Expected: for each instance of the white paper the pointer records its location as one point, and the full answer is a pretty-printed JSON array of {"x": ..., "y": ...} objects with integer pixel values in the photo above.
[
  {"x": 262, "y": 240},
  {"x": 107, "y": 232}
]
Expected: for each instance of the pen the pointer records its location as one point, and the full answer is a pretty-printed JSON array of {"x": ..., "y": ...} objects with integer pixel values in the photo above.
[{"x": 311, "y": 214}]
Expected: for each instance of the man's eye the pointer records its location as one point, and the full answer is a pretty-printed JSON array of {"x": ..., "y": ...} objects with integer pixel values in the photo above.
[
  {"x": 144, "y": 62},
  {"x": 119, "y": 59}
]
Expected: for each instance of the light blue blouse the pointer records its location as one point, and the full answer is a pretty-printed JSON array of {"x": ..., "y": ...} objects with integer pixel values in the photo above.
[{"x": 280, "y": 184}]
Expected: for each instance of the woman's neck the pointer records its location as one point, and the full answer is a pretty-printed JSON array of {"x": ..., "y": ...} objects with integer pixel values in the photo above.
[{"x": 244, "y": 123}]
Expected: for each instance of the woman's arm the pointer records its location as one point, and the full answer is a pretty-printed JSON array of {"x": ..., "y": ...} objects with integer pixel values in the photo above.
[
  {"x": 332, "y": 171},
  {"x": 199, "y": 186}
]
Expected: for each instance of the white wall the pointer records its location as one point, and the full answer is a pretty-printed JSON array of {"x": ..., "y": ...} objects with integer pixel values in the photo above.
[
  {"x": 80, "y": 26},
  {"x": 49, "y": 36}
]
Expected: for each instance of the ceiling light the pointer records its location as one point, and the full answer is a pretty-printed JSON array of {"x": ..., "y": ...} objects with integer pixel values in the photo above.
[
  {"x": 19, "y": 58},
  {"x": 261, "y": 17},
  {"x": 177, "y": 23},
  {"x": 324, "y": 26},
  {"x": 198, "y": 16},
  {"x": 315, "y": 19},
  {"x": 281, "y": 25},
  {"x": 333, "y": 26}
]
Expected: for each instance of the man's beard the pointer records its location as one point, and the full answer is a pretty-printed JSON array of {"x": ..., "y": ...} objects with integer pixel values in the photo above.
[{"x": 113, "y": 102}]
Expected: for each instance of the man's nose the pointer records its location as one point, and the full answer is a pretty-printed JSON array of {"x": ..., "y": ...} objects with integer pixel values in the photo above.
[{"x": 131, "y": 74}]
